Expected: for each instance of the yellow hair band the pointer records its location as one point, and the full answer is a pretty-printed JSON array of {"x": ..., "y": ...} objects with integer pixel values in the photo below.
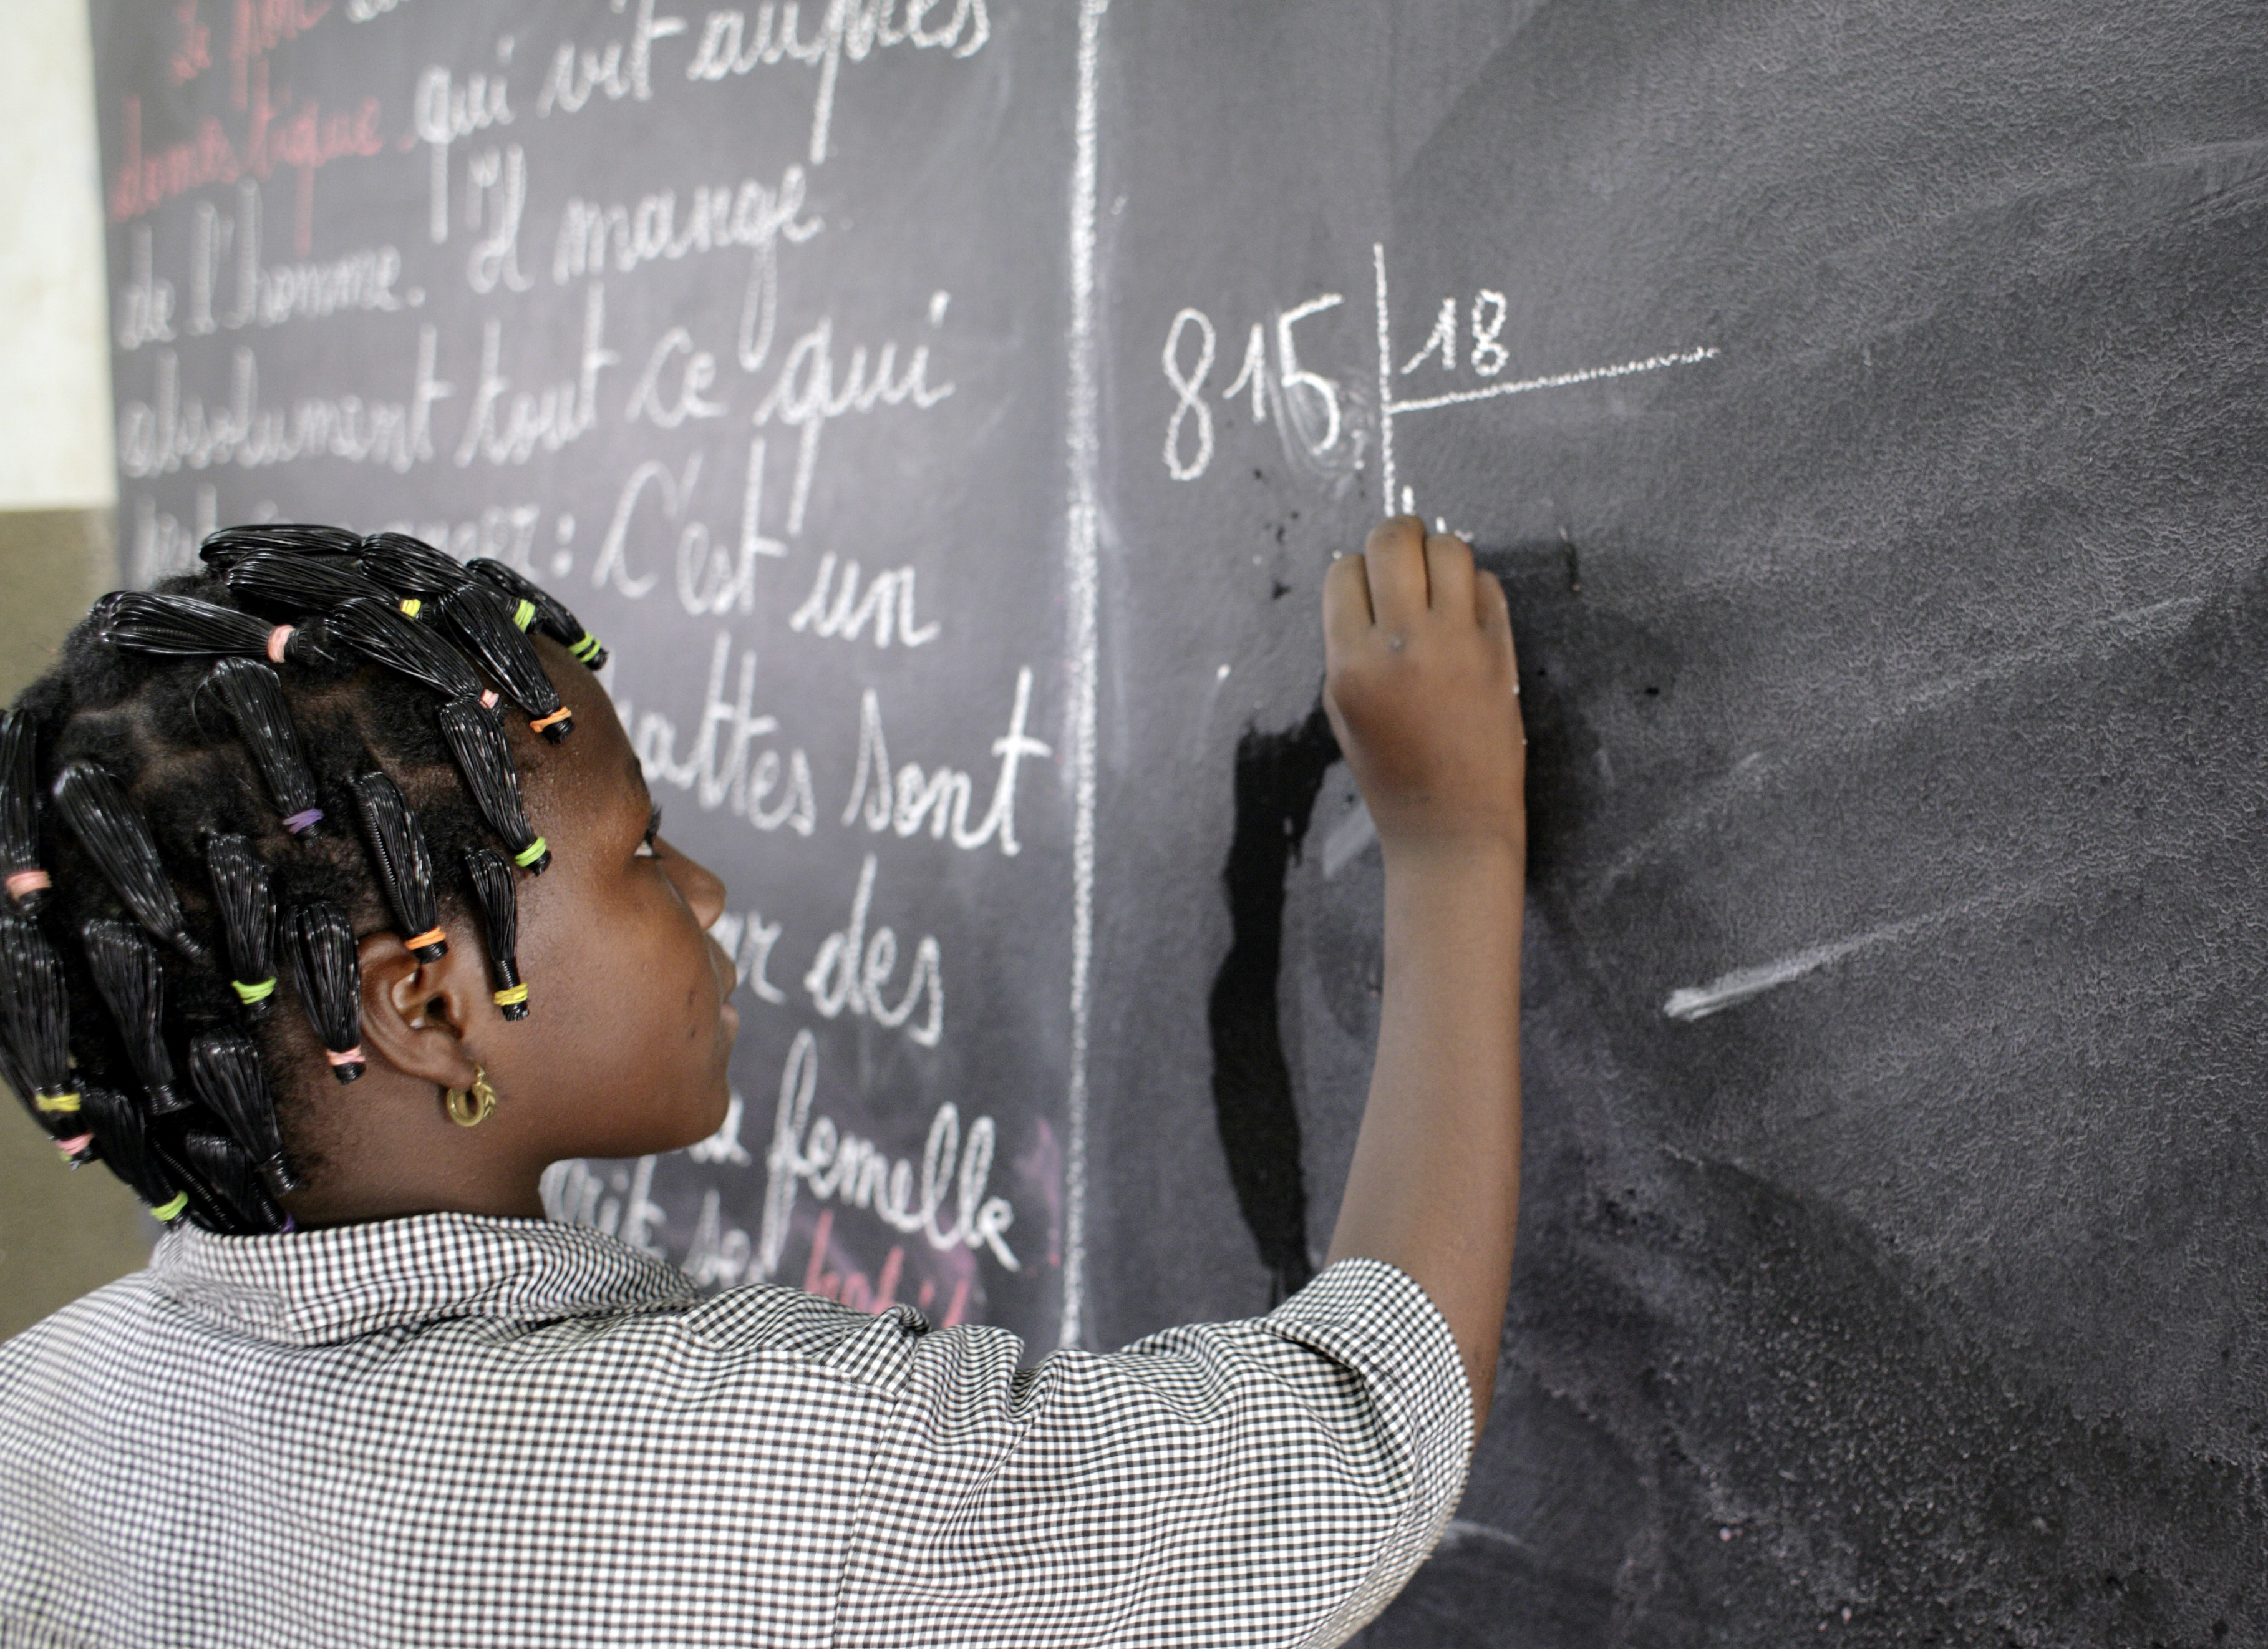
[
  {"x": 171, "y": 1208},
  {"x": 410, "y": 605},
  {"x": 56, "y": 1102},
  {"x": 512, "y": 997},
  {"x": 530, "y": 854},
  {"x": 524, "y": 615},
  {"x": 586, "y": 648},
  {"x": 250, "y": 993}
]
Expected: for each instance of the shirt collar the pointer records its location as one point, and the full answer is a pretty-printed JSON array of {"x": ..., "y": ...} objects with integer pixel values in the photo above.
[{"x": 312, "y": 1287}]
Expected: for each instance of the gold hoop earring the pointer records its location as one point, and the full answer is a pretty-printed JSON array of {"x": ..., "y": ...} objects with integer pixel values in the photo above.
[{"x": 469, "y": 1108}]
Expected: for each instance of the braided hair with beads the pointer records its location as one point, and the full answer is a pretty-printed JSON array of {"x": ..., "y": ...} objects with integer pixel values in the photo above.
[{"x": 166, "y": 886}]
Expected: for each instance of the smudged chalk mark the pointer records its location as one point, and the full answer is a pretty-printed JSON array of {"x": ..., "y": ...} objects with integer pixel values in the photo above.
[
  {"x": 1278, "y": 776},
  {"x": 1461, "y": 1531},
  {"x": 1698, "y": 1002},
  {"x": 1747, "y": 783},
  {"x": 1346, "y": 840}
]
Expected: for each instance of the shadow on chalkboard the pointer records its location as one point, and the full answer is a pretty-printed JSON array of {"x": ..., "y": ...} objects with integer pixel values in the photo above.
[{"x": 1277, "y": 777}]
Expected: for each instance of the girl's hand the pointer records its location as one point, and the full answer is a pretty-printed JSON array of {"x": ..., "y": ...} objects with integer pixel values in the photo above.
[{"x": 1423, "y": 690}]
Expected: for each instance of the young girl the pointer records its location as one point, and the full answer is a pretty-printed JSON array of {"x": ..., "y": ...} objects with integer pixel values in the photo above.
[{"x": 337, "y": 909}]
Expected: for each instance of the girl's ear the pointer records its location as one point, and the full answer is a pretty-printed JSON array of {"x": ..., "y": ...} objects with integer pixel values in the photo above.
[{"x": 415, "y": 1015}]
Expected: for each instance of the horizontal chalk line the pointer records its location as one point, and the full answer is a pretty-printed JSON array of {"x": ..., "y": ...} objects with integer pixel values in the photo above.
[
  {"x": 1462, "y": 1530},
  {"x": 1557, "y": 380}
]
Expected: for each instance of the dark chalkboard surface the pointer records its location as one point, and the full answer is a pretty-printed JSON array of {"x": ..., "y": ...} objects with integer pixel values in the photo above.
[{"x": 946, "y": 413}]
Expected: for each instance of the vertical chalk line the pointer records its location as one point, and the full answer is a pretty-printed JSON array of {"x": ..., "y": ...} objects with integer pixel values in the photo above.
[
  {"x": 1389, "y": 409},
  {"x": 1085, "y": 581},
  {"x": 1385, "y": 379}
]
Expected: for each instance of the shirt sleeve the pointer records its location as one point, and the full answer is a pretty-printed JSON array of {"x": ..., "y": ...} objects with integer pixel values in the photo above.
[{"x": 1271, "y": 1481}]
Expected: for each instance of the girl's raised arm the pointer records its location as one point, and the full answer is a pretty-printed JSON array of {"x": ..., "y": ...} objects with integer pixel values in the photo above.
[{"x": 1423, "y": 691}]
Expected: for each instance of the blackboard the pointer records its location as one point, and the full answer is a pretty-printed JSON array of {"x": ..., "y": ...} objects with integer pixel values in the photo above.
[{"x": 1863, "y": 408}]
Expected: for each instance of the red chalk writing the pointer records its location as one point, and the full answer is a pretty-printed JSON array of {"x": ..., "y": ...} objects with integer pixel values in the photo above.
[
  {"x": 146, "y": 182},
  {"x": 850, "y": 1286},
  {"x": 192, "y": 44},
  {"x": 261, "y": 26},
  {"x": 301, "y": 136}
]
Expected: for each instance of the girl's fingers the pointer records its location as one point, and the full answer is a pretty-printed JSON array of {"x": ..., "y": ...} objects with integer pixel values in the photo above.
[
  {"x": 1492, "y": 608},
  {"x": 1395, "y": 556},
  {"x": 1346, "y": 604},
  {"x": 1449, "y": 574}
]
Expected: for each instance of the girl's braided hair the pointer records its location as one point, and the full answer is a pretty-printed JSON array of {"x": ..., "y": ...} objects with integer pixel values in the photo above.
[{"x": 164, "y": 797}]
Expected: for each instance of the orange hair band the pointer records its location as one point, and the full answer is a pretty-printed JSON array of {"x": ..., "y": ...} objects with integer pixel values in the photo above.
[
  {"x": 430, "y": 936},
  {"x": 560, "y": 714}
]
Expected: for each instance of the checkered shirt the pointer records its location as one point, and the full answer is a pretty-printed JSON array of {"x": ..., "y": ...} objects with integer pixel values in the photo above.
[{"x": 455, "y": 1430}]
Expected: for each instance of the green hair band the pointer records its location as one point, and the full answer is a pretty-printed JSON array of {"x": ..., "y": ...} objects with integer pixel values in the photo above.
[
  {"x": 584, "y": 649},
  {"x": 250, "y": 993},
  {"x": 530, "y": 854},
  {"x": 524, "y": 615},
  {"x": 171, "y": 1208}
]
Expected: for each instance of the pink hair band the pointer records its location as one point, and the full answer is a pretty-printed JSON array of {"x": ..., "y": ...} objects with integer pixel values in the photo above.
[
  {"x": 33, "y": 881},
  {"x": 352, "y": 1056},
  {"x": 75, "y": 1144},
  {"x": 278, "y": 639}
]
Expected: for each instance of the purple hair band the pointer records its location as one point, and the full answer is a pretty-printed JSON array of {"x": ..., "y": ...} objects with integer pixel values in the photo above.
[{"x": 306, "y": 820}]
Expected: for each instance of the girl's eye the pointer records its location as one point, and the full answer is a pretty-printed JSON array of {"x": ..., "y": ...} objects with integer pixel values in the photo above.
[{"x": 650, "y": 845}]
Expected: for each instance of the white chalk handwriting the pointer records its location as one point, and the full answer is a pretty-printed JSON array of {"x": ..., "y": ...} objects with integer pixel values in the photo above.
[
  {"x": 163, "y": 546},
  {"x": 857, "y": 1173},
  {"x": 496, "y": 199},
  {"x": 602, "y": 237},
  {"x": 619, "y": 69},
  {"x": 264, "y": 294},
  {"x": 1304, "y": 405},
  {"x": 170, "y": 430},
  {"x": 443, "y": 110},
  {"x": 907, "y": 799},
  {"x": 509, "y": 425},
  {"x": 853, "y": 970},
  {"x": 807, "y": 398},
  {"x": 710, "y": 580},
  {"x": 146, "y": 309},
  {"x": 771, "y": 792},
  {"x": 620, "y": 1203},
  {"x": 750, "y": 939},
  {"x": 674, "y": 384},
  {"x": 837, "y": 613},
  {"x": 849, "y": 28},
  {"x": 501, "y": 532}
]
